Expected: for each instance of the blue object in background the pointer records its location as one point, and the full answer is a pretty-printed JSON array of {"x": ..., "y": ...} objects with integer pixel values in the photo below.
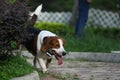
[{"x": 83, "y": 7}]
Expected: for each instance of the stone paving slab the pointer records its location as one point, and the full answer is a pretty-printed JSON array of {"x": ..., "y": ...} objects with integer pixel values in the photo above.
[
  {"x": 95, "y": 56},
  {"x": 84, "y": 70},
  {"x": 32, "y": 76},
  {"x": 76, "y": 70},
  {"x": 89, "y": 70},
  {"x": 48, "y": 77}
]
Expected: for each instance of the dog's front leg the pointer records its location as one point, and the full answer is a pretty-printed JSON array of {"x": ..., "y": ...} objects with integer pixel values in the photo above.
[
  {"x": 42, "y": 63},
  {"x": 48, "y": 62}
]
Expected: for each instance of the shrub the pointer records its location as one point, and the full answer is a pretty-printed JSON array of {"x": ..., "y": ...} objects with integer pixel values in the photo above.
[
  {"x": 101, "y": 4},
  {"x": 55, "y": 5},
  {"x": 106, "y": 32},
  {"x": 13, "y": 19},
  {"x": 14, "y": 66},
  {"x": 57, "y": 28}
]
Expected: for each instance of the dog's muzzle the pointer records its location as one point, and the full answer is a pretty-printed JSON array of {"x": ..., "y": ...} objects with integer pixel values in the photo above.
[
  {"x": 64, "y": 53},
  {"x": 50, "y": 53}
]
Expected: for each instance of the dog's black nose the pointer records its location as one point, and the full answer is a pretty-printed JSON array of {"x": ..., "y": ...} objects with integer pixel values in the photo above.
[{"x": 64, "y": 53}]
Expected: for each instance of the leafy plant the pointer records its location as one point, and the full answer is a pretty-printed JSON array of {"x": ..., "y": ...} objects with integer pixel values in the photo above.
[
  {"x": 55, "y": 5},
  {"x": 13, "y": 19},
  {"x": 57, "y": 28},
  {"x": 14, "y": 66}
]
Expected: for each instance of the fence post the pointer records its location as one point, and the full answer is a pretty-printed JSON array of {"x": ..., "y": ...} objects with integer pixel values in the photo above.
[{"x": 118, "y": 6}]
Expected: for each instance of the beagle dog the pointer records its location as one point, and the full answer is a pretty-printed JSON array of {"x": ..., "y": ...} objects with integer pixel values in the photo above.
[
  {"x": 43, "y": 45},
  {"x": 49, "y": 44}
]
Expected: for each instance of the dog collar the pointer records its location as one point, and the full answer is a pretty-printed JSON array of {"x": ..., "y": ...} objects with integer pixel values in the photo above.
[{"x": 49, "y": 53}]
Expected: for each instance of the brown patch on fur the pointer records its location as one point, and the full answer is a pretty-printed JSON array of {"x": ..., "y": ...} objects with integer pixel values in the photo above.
[
  {"x": 63, "y": 41},
  {"x": 49, "y": 42}
]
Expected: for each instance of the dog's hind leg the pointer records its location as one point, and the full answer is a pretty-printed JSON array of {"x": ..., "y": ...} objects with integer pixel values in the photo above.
[
  {"x": 34, "y": 62},
  {"x": 38, "y": 61}
]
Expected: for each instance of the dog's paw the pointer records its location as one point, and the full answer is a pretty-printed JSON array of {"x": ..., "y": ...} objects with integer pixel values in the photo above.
[{"x": 46, "y": 72}]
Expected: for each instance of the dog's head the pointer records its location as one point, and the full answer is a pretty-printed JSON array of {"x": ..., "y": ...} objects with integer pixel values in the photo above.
[{"x": 56, "y": 47}]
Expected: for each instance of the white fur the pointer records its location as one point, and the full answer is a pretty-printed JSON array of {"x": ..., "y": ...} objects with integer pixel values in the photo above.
[
  {"x": 41, "y": 36},
  {"x": 37, "y": 11},
  {"x": 42, "y": 63},
  {"x": 61, "y": 49}
]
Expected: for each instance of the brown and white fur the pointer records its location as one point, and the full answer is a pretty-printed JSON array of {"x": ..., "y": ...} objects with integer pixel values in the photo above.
[{"x": 43, "y": 45}]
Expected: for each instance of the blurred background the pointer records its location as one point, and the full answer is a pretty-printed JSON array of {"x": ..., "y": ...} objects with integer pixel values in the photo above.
[
  {"x": 102, "y": 13},
  {"x": 101, "y": 32}
]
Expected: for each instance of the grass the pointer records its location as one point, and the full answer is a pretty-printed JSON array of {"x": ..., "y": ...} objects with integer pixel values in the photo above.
[
  {"x": 92, "y": 42},
  {"x": 14, "y": 66}
]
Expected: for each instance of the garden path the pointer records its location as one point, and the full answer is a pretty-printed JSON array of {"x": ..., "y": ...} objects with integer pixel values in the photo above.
[{"x": 83, "y": 70}]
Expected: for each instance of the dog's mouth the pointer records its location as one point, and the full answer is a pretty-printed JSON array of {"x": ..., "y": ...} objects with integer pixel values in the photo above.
[{"x": 58, "y": 57}]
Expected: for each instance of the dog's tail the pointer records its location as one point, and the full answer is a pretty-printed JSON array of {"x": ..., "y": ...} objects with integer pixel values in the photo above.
[
  {"x": 37, "y": 11},
  {"x": 32, "y": 21},
  {"x": 35, "y": 15}
]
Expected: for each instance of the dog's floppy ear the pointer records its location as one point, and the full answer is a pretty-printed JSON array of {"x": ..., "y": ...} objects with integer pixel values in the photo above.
[{"x": 45, "y": 45}]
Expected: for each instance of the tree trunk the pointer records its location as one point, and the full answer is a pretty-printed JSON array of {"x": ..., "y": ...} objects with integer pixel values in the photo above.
[{"x": 74, "y": 13}]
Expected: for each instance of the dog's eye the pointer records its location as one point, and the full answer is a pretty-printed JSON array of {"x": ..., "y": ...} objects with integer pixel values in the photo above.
[{"x": 57, "y": 46}]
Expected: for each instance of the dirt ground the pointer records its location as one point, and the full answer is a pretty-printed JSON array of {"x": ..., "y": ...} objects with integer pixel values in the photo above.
[
  {"x": 83, "y": 70},
  {"x": 49, "y": 77}
]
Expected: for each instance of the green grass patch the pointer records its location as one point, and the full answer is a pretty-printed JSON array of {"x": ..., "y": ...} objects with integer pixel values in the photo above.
[
  {"x": 93, "y": 42},
  {"x": 14, "y": 66}
]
